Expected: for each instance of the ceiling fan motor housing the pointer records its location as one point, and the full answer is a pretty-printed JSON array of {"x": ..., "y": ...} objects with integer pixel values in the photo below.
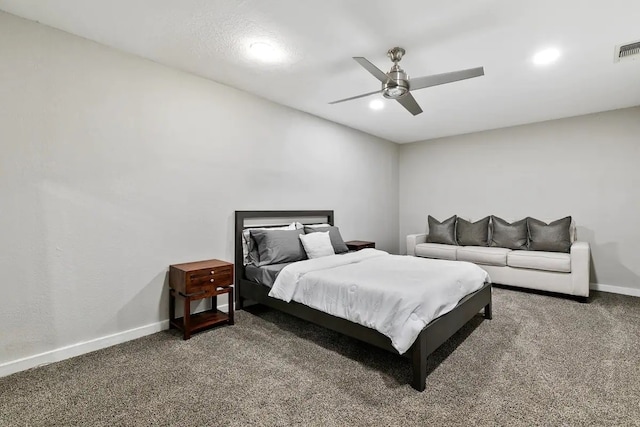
[{"x": 397, "y": 85}]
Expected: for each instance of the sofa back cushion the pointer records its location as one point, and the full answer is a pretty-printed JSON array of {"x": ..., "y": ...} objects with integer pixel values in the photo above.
[
  {"x": 442, "y": 232},
  {"x": 472, "y": 233},
  {"x": 506, "y": 235},
  {"x": 572, "y": 227},
  {"x": 552, "y": 237}
]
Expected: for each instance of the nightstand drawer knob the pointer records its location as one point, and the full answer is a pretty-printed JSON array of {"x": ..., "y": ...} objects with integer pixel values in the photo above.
[
  {"x": 212, "y": 280},
  {"x": 213, "y": 272}
]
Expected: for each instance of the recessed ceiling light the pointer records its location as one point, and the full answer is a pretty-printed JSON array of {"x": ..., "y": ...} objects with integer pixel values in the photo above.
[
  {"x": 546, "y": 56},
  {"x": 265, "y": 52},
  {"x": 376, "y": 104}
]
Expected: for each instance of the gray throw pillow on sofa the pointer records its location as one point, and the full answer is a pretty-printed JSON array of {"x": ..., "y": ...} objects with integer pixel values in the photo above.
[
  {"x": 552, "y": 237},
  {"x": 473, "y": 233},
  {"x": 277, "y": 246},
  {"x": 442, "y": 232},
  {"x": 511, "y": 236},
  {"x": 339, "y": 246}
]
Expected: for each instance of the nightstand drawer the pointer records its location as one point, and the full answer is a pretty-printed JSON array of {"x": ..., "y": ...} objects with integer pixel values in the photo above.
[
  {"x": 211, "y": 275},
  {"x": 215, "y": 279},
  {"x": 210, "y": 272},
  {"x": 215, "y": 290}
]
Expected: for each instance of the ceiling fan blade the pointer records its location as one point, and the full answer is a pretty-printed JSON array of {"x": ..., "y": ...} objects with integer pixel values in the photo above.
[
  {"x": 409, "y": 102},
  {"x": 440, "y": 79},
  {"x": 375, "y": 71},
  {"x": 356, "y": 97}
]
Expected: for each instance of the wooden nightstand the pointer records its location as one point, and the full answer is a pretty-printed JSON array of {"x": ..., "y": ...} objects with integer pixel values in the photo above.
[
  {"x": 356, "y": 245},
  {"x": 197, "y": 280}
]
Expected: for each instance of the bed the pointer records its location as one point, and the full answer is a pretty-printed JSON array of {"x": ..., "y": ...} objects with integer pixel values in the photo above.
[{"x": 436, "y": 332}]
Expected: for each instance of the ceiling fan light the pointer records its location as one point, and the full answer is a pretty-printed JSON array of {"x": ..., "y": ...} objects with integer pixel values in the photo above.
[{"x": 394, "y": 92}]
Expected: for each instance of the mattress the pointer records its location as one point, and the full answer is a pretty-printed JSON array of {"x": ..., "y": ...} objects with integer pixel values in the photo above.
[
  {"x": 264, "y": 275},
  {"x": 394, "y": 294}
]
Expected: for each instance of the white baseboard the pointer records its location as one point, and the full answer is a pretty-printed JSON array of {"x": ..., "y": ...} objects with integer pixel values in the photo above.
[
  {"x": 83, "y": 347},
  {"x": 77, "y": 349},
  {"x": 615, "y": 289}
]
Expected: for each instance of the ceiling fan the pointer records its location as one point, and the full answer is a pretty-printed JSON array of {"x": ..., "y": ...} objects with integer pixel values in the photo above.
[{"x": 397, "y": 85}]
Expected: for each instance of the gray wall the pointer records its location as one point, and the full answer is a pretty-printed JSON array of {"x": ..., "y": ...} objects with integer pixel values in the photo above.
[
  {"x": 113, "y": 167},
  {"x": 585, "y": 166}
]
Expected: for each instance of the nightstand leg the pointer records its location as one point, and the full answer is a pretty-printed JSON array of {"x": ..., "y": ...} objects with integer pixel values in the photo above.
[
  {"x": 231, "y": 319},
  {"x": 187, "y": 318}
]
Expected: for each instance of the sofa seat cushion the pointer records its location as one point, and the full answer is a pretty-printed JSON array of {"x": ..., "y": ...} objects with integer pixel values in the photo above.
[
  {"x": 483, "y": 255},
  {"x": 436, "y": 250},
  {"x": 538, "y": 260}
]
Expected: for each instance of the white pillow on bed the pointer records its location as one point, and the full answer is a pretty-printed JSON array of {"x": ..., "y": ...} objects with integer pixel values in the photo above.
[{"x": 317, "y": 245}]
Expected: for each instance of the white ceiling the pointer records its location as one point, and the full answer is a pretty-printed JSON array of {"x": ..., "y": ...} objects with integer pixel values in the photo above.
[{"x": 210, "y": 38}]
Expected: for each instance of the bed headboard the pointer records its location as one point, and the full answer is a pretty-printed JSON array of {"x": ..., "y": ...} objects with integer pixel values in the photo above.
[{"x": 248, "y": 219}]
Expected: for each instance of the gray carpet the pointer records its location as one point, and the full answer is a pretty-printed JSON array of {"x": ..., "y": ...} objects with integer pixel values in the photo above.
[{"x": 542, "y": 360}]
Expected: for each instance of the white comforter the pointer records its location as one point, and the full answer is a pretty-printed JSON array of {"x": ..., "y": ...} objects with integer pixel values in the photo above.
[{"x": 396, "y": 295}]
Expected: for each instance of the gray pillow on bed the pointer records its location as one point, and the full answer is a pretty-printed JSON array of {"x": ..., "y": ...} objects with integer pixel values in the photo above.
[
  {"x": 511, "y": 236},
  {"x": 552, "y": 237},
  {"x": 339, "y": 246},
  {"x": 473, "y": 233},
  {"x": 442, "y": 232},
  {"x": 277, "y": 246}
]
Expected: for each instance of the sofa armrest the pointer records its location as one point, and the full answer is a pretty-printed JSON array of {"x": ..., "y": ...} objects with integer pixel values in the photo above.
[
  {"x": 580, "y": 268},
  {"x": 413, "y": 240}
]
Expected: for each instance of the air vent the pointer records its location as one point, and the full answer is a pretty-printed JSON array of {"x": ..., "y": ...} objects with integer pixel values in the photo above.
[{"x": 627, "y": 51}]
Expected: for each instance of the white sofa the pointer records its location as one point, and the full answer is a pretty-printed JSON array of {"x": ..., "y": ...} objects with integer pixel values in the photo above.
[{"x": 566, "y": 273}]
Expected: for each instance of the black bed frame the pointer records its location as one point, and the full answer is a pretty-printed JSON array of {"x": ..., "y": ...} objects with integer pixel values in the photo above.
[{"x": 431, "y": 337}]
